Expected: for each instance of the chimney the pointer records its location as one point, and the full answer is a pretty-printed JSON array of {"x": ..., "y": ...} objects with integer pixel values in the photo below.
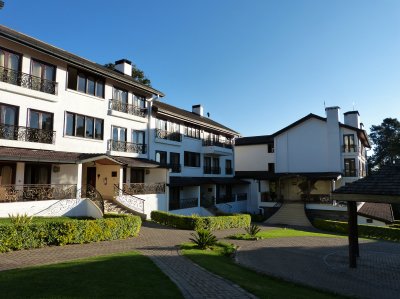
[
  {"x": 332, "y": 114},
  {"x": 352, "y": 118},
  {"x": 197, "y": 109},
  {"x": 124, "y": 66},
  {"x": 333, "y": 139}
]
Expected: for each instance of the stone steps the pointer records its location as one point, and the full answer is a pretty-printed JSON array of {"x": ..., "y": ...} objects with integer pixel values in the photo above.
[
  {"x": 113, "y": 207},
  {"x": 290, "y": 214}
]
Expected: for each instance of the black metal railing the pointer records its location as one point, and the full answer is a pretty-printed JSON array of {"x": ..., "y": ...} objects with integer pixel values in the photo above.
[
  {"x": 128, "y": 200},
  {"x": 90, "y": 192},
  {"x": 27, "y": 134},
  {"x": 33, "y": 192},
  {"x": 349, "y": 148},
  {"x": 173, "y": 136},
  {"x": 209, "y": 142},
  {"x": 27, "y": 81},
  {"x": 228, "y": 170},
  {"x": 117, "y": 105},
  {"x": 175, "y": 168},
  {"x": 128, "y": 147},
  {"x": 143, "y": 188},
  {"x": 186, "y": 203},
  {"x": 207, "y": 169}
]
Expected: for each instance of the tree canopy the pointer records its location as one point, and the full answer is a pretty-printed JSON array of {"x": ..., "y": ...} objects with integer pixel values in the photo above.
[
  {"x": 137, "y": 74},
  {"x": 386, "y": 140}
]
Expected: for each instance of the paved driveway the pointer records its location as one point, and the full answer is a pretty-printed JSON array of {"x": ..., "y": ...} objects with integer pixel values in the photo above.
[{"x": 323, "y": 263}]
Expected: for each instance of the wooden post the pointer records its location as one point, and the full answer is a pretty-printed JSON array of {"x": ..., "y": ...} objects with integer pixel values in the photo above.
[{"x": 353, "y": 233}]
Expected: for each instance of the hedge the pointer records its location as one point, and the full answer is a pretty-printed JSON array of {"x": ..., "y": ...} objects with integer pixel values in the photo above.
[
  {"x": 365, "y": 231},
  {"x": 39, "y": 234},
  {"x": 197, "y": 222}
]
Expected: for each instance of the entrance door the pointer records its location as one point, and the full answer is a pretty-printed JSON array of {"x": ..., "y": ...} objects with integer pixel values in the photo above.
[
  {"x": 137, "y": 175},
  {"x": 91, "y": 176}
]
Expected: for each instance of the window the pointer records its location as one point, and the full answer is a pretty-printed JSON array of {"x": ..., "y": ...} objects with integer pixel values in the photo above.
[
  {"x": 192, "y": 132},
  {"x": 207, "y": 165},
  {"x": 83, "y": 126},
  {"x": 139, "y": 101},
  {"x": 271, "y": 148},
  {"x": 271, "y": 167},
  {"x": 349, "y": 167},
  {"x": 228, "y": 167},
  {"x": 119, "y": 134},
  {"x": 174, "y": 160},
  {"x": 161, "y": 157},
  {"x": 41, "y": 71},
  {"x": 192, "y": 159},
  {"x": 8, "y": 121},
  {"x": 138, "y": 137},
  {"x": 216, "y": 168},
  {"x": 10, "y": 64},
  {"x": 40, "y": 120},
  {"x": 161, "y": 124},
  {"x": 348, "y": 143},
  {"x": 85, "y": 82},
  {"x": 120, "y": 95}
]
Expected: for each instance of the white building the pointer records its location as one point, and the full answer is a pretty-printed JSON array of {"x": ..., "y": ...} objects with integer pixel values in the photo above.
[
  {"x": 303, "y": 162},
  {"x": 71, "y": 129}
]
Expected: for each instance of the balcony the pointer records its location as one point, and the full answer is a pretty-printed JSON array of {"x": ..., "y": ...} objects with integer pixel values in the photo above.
[
  {"x": 166, "y": 135},
  {"x": 19, "y": 133},
  {"x": 28, "y": 81},
  {"x": 175, "y": 168},
  {"x": 217, "y": 148},
  {"x": 211, "y": 170},
  {"x": 127, "y": 147},
  {"x": 119, "y": 106}
]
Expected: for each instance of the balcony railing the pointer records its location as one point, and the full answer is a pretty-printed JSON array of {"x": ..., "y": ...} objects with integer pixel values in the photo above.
[
  {"x": 349, "y": 148},
  {"x": 173, "y": 136},
  {"x": 350, "y": 173},
  {"x": 27, "y": 81},
  {"x": 117, "y": 105},
  {"x": 30, "y": 192},
  {"x": 127, "y": 147},
  {"x": 209, "y": 142},
  {"x": 228, "y": 170},
  {"x": 143, "y": 188},
  {"x": 213, "y": 170},
  {"x": 175, "y": 168},
  {"x": 27, "y": 134},
  {"x": 207, "y": 169}
]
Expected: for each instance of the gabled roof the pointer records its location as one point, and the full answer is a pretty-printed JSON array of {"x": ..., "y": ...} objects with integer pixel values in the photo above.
[
  {"x": 253, "y": 140},
  {"x": 379, "y": 211},
  {"x": 169, "y": 110},
  {"x": 73, "y": 59}
]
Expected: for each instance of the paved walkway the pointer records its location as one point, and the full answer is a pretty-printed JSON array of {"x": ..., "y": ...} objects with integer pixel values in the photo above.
[
  {"x": 155, "y": 241},
  {"x": 323, "y": 263}
]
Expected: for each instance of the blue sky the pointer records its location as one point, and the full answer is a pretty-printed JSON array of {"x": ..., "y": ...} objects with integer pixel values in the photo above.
[{"x": 255, "y": 66}]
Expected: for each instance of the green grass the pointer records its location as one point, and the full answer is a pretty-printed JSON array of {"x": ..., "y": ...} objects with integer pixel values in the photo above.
[
  {"x": 263, "y": 286},
  {"x": 127, "y": 275},
  {"x": 283, "y": 233}
]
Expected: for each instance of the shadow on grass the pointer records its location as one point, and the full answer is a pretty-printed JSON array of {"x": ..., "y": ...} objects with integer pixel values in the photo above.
[{"x": 128, "y": 275}]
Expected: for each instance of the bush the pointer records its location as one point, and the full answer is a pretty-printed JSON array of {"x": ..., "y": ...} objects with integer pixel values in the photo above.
[
  {"x": 253, "y": 230},
  {"x": 39, "y": 234},
  {"x": 198, "y": 223},
  {"x": 204, "y": 239},
  {"x": 365, "y": 231}
]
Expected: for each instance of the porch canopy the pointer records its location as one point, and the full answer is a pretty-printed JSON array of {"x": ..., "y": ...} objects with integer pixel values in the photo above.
[
  {"x": 195, "y": 181},
  {"x": 382, "y": 186}
]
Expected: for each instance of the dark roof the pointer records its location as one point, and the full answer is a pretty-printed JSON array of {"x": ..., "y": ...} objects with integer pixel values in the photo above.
[
  {"x": 138, "y": 162},
  {"x": 264, "y": 139},
  {"x": 265, "y": 175},
  {"x": 195, "y": 181},
  {"x": 33, "y": 155},
  {"x": 385, "y": 181},
  {"x": 191, "y": 117},
  {"x": 378, "y": 211},
  {"x": 73, "y": 59}
]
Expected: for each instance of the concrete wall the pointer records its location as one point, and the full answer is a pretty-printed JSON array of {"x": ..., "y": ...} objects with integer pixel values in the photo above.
[{"x": 253, "y": 158}]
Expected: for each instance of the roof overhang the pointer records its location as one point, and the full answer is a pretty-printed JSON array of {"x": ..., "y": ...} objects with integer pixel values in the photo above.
[{"x": 366, "y": 198}]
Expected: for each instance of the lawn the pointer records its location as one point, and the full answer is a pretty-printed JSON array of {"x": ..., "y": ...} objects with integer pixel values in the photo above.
[
  {"x": 127, "y": 275},
  {"x": 261, "y": 285},
  {"x": 283, "y": 233}
]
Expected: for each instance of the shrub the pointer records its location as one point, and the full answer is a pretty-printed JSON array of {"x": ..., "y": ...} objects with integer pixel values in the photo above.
[
  {"x": 253, "y": 230},
  {"x": 42, "y": 233},
  {"x": 204, "y": 239},
  {"x": 198, "y": 223},
  {"x": 365, "y": 231}
]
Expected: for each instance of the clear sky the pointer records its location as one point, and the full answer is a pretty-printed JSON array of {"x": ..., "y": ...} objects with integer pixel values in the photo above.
[{"x": 255, "y": 66}]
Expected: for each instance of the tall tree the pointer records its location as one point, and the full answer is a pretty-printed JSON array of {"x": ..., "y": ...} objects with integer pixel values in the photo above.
[
  {"x": 137, "y": 74},
  {"x": 386, "y": 140}
]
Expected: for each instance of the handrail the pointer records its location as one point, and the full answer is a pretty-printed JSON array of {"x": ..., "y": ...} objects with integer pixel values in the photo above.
[
  {"x": 129, "y": 200},
  {"x": 21, "y": 133},
  {"x": 128, "y": 147},
  {"x": 88, "y": 191}
]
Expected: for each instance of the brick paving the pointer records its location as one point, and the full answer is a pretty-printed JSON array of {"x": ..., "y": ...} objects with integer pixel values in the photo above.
[
  {"x": 156, "y": 242},
  {"x": 323, "y": 263}
]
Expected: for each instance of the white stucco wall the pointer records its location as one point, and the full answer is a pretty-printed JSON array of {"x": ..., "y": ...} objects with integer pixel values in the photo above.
[{"x": 253, "y": 157}]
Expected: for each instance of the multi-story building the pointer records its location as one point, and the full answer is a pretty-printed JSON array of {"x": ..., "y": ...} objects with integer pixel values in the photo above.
[
  {"x": 71, "y": 128},
  {"x": 303, "y": 163}
]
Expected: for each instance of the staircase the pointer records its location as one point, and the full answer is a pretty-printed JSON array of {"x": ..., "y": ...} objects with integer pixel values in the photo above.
[
  {"x": 111, "y": 206},
  {"x": 290, "y": 214}
]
